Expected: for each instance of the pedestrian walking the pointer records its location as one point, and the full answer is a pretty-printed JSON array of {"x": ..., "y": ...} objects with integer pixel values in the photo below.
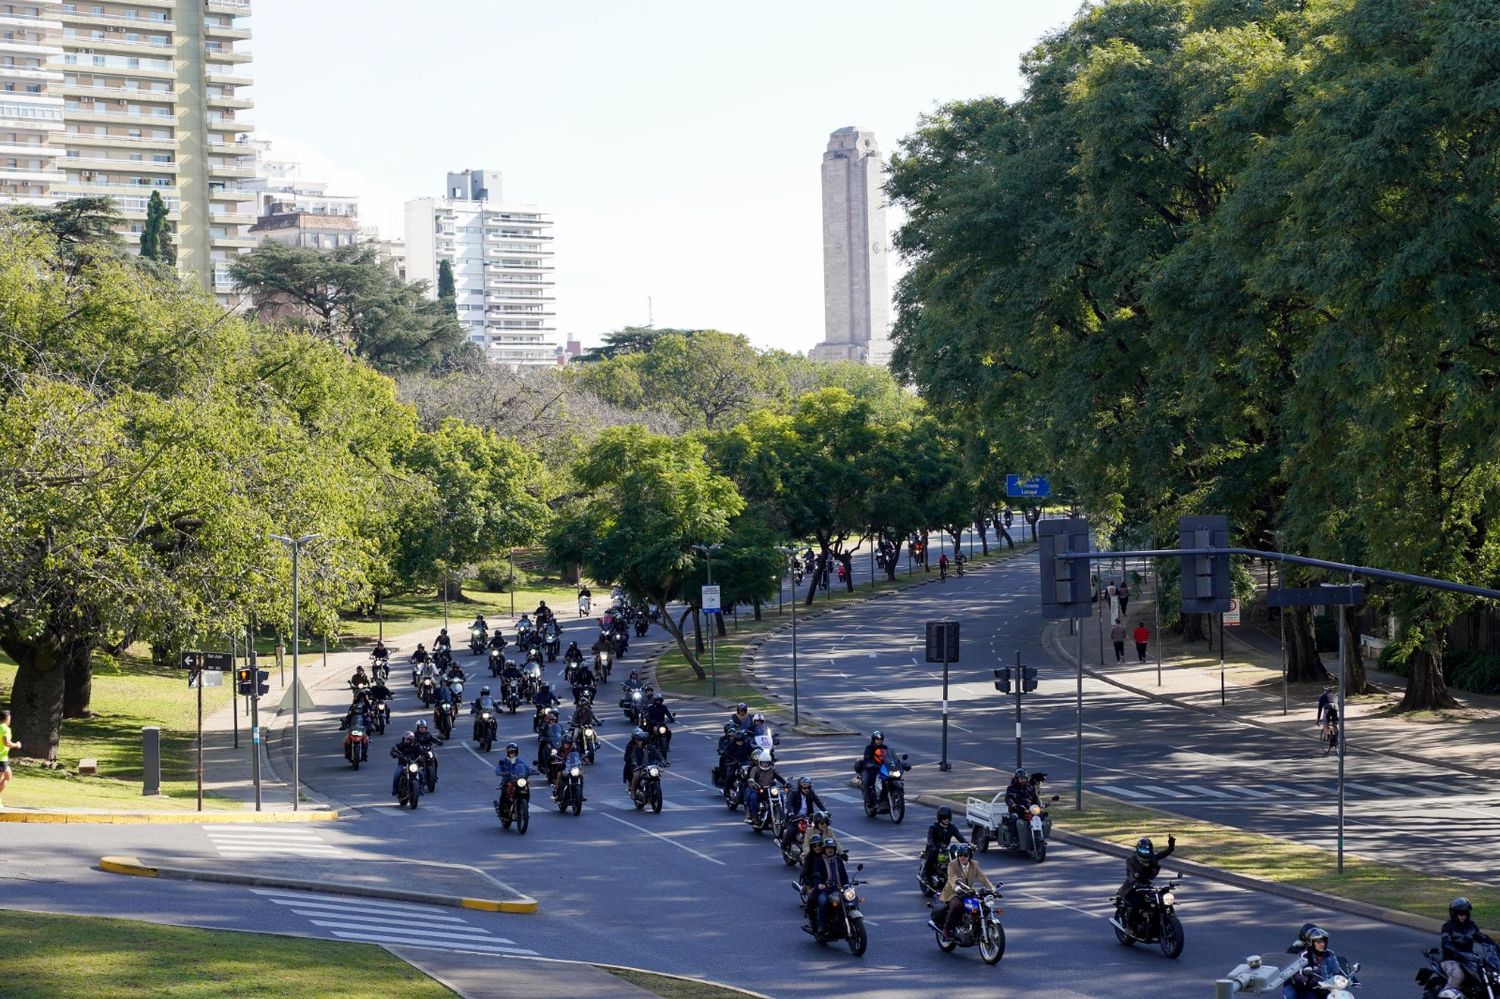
[
  {"x": 1123, "y": 592},
  {"x": 6, "y": 745},
  {"x": 1117, "y": 635},
  {"x": 1141, "y": 636}
]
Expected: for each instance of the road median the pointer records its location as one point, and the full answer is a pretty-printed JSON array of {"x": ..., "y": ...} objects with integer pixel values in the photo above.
[{"x": 92, "y": 817}]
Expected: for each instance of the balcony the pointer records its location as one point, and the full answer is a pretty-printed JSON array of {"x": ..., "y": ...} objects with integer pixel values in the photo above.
[
  {"x": 113, "y": 163},
  {"x": 116, "y": 41},
  {"x": 31, "y": 22},
  {"x": 229, "y": 101},
  {"x": 235, "y": 194},
  {"x": 106, "y": 94},
  {"x": 245, "y": 242},
  {"x": 84, "y": 140},
  {"x": 226, "y": 55},
  {"x": 29, "y": 149},
  {"x": 213, "y": 74},
  {"x": 240, "y": 8},
  {"x": 133, "y": 23},
  {"x": 217, "y": 170},
  {"x": 231, "y": 217},
  {"x": 100, "y": 111},
  {"x": 225, "y": 31},
  {"x": 32, "y": 175},
  {"x": 44, "y": 49}
]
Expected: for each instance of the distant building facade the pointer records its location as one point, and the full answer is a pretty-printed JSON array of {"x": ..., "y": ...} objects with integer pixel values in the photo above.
[{"x": 856, "y": 289}]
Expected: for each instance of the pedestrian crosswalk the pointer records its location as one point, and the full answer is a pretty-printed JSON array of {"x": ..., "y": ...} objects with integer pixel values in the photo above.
[
  {"x": 395, "y": 923},
  {"x": 250, "y": 842},
  {"x": 1267, "y": 792}
]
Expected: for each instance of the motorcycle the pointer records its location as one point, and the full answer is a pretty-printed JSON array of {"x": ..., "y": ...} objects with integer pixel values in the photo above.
[
  {"x": 478, "y": 638},
  {"x": 429, "y": 770},
  {"x": 932, "y": 883},
  {"x": 1027, "y": 835},
  {"x": 1483, "y": 973},
  {"x": 772, "y": 812},
  {"x": 648, "y": 789},
  {"x": 660, "y": 735},
  {"x": 1154, "y": 920},
  {"x": 844, "y": 921},
  {"x": 427, "y": 690},
  {"x": 553, "y": 646},
  {"x": 1339, "y": 985},
  {"x": 379, "y": 716},
  {"x": 633, "y": 703},
  {"x": 587, "y": 741},
  {"x": 510, "y": 690},
  {"x": 496, "y": 661},
  {"x": 890, "y": 790},
  {"x": 602, "y": 663},
  {"x": 791, "y": 843},
  {"x": 486, "y": 728},
  {"x": 734, "y": 786},
  {"x": 532, "y": 678},
  {"x": 642, "y": 624},
  {"x": 409, "y": 785},
  {"x": 570, "y": 790},
  {"x": 380, "y": 669},
  {"x": 442, "y": 716},
  {"x": 582, "y": 690},
  {"x": 584, "y": 603},
  {"x": 514, "y": 804},
  {"x": 980, "y": 926},
  {"x": 357, "y": 745}
]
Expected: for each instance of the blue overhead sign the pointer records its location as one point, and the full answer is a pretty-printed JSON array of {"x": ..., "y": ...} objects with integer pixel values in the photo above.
[{"x": 1037, "y": 487}]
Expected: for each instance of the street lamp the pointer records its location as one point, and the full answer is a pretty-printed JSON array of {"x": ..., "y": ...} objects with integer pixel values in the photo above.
[
  {"x": 796, "y": 703},
  {"x": 295, "y": 544},
  {"x": 510, "y": 557},
  {"x": 713, "y": 664}
]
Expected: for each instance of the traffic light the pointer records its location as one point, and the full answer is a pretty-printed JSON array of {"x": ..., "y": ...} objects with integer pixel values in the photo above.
[
  {"x": 1205, "y": 578},
  {"x": 1028, "y": 679},
  {"x": 1065, "y": 582},
  {"x": 1002, "y": 680},
  {"x": 242, "y": 681},
  {"x": 248, "y": 687}
]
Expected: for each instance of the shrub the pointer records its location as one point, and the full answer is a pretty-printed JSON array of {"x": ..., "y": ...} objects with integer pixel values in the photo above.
[
  {"x": 1389, "y": 661},
  {"x": 493, "y": 575},
  {"x": 1476, "y": 672}
]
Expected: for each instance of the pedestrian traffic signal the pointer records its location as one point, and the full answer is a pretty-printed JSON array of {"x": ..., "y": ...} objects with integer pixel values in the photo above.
[
  {"x": 1002, "y": 680},
  {"x": 257, "y": 687},
  {"x": 1028, "y": 679},
  {"x": 1065, "y": 582},
  {"x": 1205, "y": 578}
]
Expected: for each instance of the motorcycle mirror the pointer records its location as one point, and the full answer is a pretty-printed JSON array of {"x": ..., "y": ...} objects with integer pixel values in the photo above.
[
  {"x": 1057, "y": 797},
  {"x": 860, "y": 867}
]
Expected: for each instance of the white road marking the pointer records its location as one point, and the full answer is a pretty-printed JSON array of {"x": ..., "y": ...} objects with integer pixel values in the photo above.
[
  {"x": 664, "y": 839},
  {"x": 1207, "y": 790},
  {"x": 1112, "y": 790},
  {"x": 1372, "y": 789},
  {"x": 1163, "y": 791}
]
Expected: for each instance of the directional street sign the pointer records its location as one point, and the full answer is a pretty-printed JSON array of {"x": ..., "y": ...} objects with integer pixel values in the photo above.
[
  {"x": 1036, "y": 487},
  {"x": 191, "y": 660},
  {"x": 711, "y": 599},
  {"x": 217, "y": 662},
  {"x": 1317, "y": 596}
]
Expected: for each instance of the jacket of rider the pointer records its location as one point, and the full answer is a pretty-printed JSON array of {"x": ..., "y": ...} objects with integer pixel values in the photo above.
[
  {"x": 1020, "y": 795},
  {"x": 971, "y": 876},
  {"x": 939, "y": 835},
  {"x": 1460, "y": 938},
  {"x": 1311, "y": 967},
  {"x": 1139, "y": 870}
]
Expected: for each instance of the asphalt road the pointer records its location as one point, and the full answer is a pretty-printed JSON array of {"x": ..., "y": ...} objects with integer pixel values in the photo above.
[{"x": 690, "y": 891}]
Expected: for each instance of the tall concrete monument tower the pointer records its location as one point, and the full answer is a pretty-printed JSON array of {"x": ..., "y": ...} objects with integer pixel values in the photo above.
[{"x": 856, "y": 292}]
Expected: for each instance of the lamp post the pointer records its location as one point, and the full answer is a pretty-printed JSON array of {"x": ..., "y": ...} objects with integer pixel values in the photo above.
[
  {"x": 510, "y": 557},
  {"x": 796, "y": 703},
  {"x": 713, "y": 663},
  {"x": 295, "y": 544}
]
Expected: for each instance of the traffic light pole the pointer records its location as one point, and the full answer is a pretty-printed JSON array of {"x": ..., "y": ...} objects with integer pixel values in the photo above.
[
  {"x": 254, "y": 716},
  {"x": 1078, "y": 781},
  {"x": 944, "y": 765},
  {"x": 198, "y": 678},
  {"x": 1020, "y": 682}
]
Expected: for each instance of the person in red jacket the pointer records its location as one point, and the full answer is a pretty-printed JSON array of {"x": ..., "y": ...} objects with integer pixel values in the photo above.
[{"x": 1141, "y": 637}]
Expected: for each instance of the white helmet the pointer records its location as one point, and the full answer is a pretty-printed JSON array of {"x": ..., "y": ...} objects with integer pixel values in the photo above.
[{"x": 761, "y": 756}]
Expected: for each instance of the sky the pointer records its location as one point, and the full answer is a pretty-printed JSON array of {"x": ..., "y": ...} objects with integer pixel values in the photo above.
[{"x": 677, "y": 144}]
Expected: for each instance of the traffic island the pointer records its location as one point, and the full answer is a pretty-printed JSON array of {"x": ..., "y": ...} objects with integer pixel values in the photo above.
[
  {"x": 457, "y": 885},
  {"x": 89, "y": 816}
]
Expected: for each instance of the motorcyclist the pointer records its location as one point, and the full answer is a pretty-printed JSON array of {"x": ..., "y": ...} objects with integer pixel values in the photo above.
[
  {"x": 828, "y": 877},
  {"x": 1459, "y": 936},
  {"x": 962, "y": 869},
  {"x": 734, "y": 753},
  {"x": 876, "y": 754},
  {"x": 511, "y": 671},
  {"x": 803, "y": 803},
  {"x": 404, "y": 753},
  {"x": 762, "y": 776},
  {"x": 822, "y": 825},
  {"x": 497, "y": 640},
  {"x": 358, "y": 713},
  {"x": 480, "y": 624},
  {"x": 524, "y": 625},
  {"x": 1141, "y": 868},
  {"x": 568, "y": 757},
  {"x": 583, "y": 679},
  {"x": 812, "y": 851},
  {"x": 940, "y": 834},
  {"x": 484, "y": 702},
  {"x": 545, "y": 698},
  {"x": 760, "y": 734},
  {"x": 584, "y": 599},
  {"x": 741, "y": 718},
  {"x": 426, "y": 670},
  {"x": 420, "y": 655},
  {"x": 1020, "y": 795},
  {"x": 425, "y": 739},
  {"x": 583, "y": 714},
  {"x": 380, "y": 695},
  {"x": 548, "y": 736},
  {"x": 360, "y": 678},
  {"x": 632, "y": 683},
  {"x": 442, "y": 641},
  {"x": 380, "y": 653},
  {"x": 511, "y": 765},
  {"x": 543, "y": 613},
  {"x": 1316, "y": 963},
  {"x": 657, "y": 716},
  {"x": 638, "y": 755},
  {"x": 574, "y": 655}
]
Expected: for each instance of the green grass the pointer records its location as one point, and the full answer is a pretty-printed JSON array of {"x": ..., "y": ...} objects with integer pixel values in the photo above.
[
  {"x": 77, "y": 957},
  {"x": 673, "y": 674},
  {"x": 672, "y": 988},
  {"x": 1271, "y": 859},
  {"x": 129, "y": 693},
  {"x": 424, "y": 612}
]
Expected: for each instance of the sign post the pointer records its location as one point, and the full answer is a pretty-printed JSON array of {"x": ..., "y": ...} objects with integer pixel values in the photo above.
[
  {"x": 942, "y": 647},
  {"x": 711, "y": 606}
]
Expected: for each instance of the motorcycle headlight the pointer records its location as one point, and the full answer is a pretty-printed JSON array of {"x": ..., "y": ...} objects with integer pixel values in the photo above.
[
  {"x": 895, "y": 773},
  {"x": 849, "y": 894},
  {"x": 1340, "y": 982},
  {"x": 1168, "y": 898},
  {"x": 589, "y": 732},
  {"x": 575, "y": 772},
  {"x": 775, "y": 791},
  {"x": 412, "y": 768},
  {"x": 662, "y": 730},
  {"x": 654, "y": 772},
  {"x": 485, "y": 716},
  {"x": 521, "y": 782},
  {"x": 358, "y": 733}
]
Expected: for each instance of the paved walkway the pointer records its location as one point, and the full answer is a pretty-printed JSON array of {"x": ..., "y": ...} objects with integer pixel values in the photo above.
[{"x": 1249, "y": 687}]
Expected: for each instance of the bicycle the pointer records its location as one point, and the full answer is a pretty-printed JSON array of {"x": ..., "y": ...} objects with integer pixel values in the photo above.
[{"x": 1329, "y": 737}]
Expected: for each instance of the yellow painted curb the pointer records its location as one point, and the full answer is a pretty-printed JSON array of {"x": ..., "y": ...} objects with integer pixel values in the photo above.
[
  {"x": 126, "y": 865},
  {"x": 165, "y": 818},
  {"x": 490, "y": 905}
]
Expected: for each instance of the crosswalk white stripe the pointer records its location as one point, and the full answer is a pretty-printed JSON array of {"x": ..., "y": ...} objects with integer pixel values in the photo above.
[
  {"x": 1372, "y": 789},
  {"x": 1207, "y": 790},
  {"x": 1443, "y": 789},
  {"x": 253, "y": 852},
  {"x": 1126, "y": 792},
  {"x": 356, "y": 909},
  {"x": 1250, "y": 791},
  {"x": 271, "y": 844},
  {"x": 847, "y": 799},
  {"x": 283, "y": 897},
  {"x": 446, "y": 934},
  {"x": 392, "y": 938},
  {"x": 1295, "y": 792},
  {"x": 1168, "y": 792},
  {"x": 254, "y": 832},
  {"x": 241, "y": 838}
]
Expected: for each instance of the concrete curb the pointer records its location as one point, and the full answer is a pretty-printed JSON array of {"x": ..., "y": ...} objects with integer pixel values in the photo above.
[
  {"x": 1051, "y": 636},
  {"x": 1307, "y": 896},
  {"x": 133, "y": 866},
  {"x": 61, "y": 815}
]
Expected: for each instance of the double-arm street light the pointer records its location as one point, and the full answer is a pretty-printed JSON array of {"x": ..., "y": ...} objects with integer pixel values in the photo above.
[
  {"x": 295, "y": 544},
  {"x": 786, "y": 569},
  {"x": 707, "y": 551}
]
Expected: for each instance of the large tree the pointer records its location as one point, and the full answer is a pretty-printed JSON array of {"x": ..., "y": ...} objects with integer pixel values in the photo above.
[{"x": 156, "y": 236}]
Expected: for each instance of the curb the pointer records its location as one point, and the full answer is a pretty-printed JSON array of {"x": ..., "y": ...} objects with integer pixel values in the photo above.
[
  {"x": 1307, "y": 896},
  {"x": 1053, "y": 630},
  {"x": 133, "y": 866},
  {"x": 165, "y": 818}
]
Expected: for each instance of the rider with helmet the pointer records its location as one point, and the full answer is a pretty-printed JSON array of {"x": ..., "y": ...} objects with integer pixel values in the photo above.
[
  {"x": 657, "y": 716},
  {"x": 822, "y": 825},
  {"x": 762, "y": 776},
  {"x": 1020, "y": 795},
  {"x": 827, "y": 875},
  {"x": 548, "y": 737},
  {"x": 940, "y": 834},
  {"x": 1460, "y": 934},
  {"x": 741, "y": 718},
  {"x": 638, "y": 755},
  {"x": 425, "y": 739},
  {"x": 404, "y": 752},
  {"x": 511, "y": 765},
  {"x": 804, "y": 803},
  {"x": 1316, "y": 963},
  {"x": 962, "y": 869},
  {"x": 484, "y": 702},
  {"x": 876, "y": 754},
  {"x": 1141, "y": 868}
]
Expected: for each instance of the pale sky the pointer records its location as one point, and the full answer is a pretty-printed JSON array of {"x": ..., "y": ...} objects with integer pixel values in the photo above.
[{"x": 677, "y": 144}]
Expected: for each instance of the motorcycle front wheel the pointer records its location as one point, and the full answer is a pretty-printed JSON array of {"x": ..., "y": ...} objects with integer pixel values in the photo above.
[
  {"x": 1040, "y": 853},
  {"x": 858, "y": 939},
  {"x": 656, "y": 800},
  {"x": 898, "y": 805},
  {"x": 1172, "y": 937},
  {"x": 523, "y": 817},
  {"x": 992, "y": 944}
]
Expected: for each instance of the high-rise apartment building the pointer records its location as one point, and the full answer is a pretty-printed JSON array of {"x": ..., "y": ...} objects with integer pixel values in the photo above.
[
  {"x": 856, "y": 291},
  {"x": 149, "y": 99},
  {"x": 30, "y": 115},
  {"x": 501, "y": 256}
]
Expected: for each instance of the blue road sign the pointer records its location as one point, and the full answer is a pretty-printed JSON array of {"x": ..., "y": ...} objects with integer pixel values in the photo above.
[{"x": 1036, "y": 487}]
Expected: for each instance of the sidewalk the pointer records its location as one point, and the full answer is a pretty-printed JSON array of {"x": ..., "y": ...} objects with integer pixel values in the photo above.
[{"x": 1252, "y": 692}]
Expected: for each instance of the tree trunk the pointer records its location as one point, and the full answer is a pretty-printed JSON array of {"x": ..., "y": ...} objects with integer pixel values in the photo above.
[
  {"x": 895, "y": 562},
  {"x": 698, "y": 645},
  {"x": 1425, "y": 687},
  {"x": 719, "y": 624},
  {"x": 1303, "y": 664},
  {"x": 984, "y": 536},
  {"x": 757, "y": 608},
  {"x": 1358, "y": 679},
  {"x": 1192, "y": 627},
  {"x": 926, "y": 547},
  {"x": 674, "y": 628},
  {"x": 78, "y": 679},
  {"x": 36, "y": 697}
]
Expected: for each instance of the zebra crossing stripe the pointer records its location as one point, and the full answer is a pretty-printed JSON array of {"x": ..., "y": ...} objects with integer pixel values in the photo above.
[
  {"x": 404, "y": 940},
  {"x": 1442, "y": 789},
  {"x": 1122, "y": 791},
  {"x": 1207, "y": 790},
  {"x": 1372, "y": 789},
  {"x": 1163, "y": 791}
]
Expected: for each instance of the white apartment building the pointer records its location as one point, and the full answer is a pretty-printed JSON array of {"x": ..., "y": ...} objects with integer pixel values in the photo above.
[
  {"x": 282, "y": 186},
  {"x": 501, "y": 256},
  {"x": 149, "y": 98}
]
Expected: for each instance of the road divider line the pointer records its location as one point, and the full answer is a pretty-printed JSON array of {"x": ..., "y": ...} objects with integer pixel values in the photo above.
[{"x": 664, "y": 839}]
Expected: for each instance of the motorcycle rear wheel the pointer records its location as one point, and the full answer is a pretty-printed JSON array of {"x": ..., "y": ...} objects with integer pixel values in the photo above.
[
  {"x": 991, "y": 951},
  {"x": 858, "y": 940},
  {"x": 1172, "y": 938}
]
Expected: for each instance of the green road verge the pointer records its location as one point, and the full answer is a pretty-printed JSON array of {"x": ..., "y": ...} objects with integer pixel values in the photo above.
[
  {"x": 424, "y": 612},
  {"x": 670, "y": 987},
  {"x": 63, "y": 957},
  {"x": 129, "y": 693},
  {"x": 1267, "y": 858},
  {"x": 675, "y": 676}
]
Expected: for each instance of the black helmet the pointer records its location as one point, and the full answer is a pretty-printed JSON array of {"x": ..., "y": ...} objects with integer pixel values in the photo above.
[
  {"x": 944, "y": 813},
  {"x": 965, "y": 850},
  {"x": 729, "y": 728},
  {"x": 1460, "y": 906},
  {"x": 821, "y": 816},
  {"x": 1023, "y": 774},
  {"x": 484, "y": 690},
  {"x": 877, "y": 736},
  {"x": 1143, "y": 847},
  {"x": 511, "y": 749},
  {"x": 741, "y": 707},
  {"x": 658, "y": 699},
  {"x": 805, "y": 782},
  {"x": 815, "y": 841},
  {"x": 1312, "y": 934}
]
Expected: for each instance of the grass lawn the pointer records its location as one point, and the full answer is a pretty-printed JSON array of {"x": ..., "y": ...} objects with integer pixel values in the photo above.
[
  {"x": 129, "y": 693},
  {"x": 673, "y": 673},
  {"x": 63, "y": 957},
  {"x": 425, "y": 612},
  {"x": 1272, "y": 859}
]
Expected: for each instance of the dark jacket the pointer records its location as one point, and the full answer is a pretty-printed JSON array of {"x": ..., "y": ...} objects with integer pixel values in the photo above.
[
  {"x": 1460, "y": 938},
  {"x": 1020, "y": 796},
  {"x": 870, "y": 751},
  {"x": 1142, "y": 871},
  {"x": 804, "y": 804},
  {"x": 939, "y": 837},
  {"x": 829, "y": 871},
  {"x": 660, "y": 714}
]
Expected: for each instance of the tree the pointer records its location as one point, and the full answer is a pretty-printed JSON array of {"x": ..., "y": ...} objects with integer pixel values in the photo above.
[
  {"x": 348, "y": 297},
  {"x": 628, "y": 340},
  {"x": 707, "y": 379},
  {"x": 447, "y": 290},
  {"x": 648, "y": 499},
  {"x": 156, "y": 237}
]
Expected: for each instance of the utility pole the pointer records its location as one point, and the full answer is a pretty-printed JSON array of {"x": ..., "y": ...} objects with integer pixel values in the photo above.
[{"x": 295, "y": 544}]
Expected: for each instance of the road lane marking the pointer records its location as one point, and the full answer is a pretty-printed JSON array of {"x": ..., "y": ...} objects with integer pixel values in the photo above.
[{"x": 664, "y": 839}]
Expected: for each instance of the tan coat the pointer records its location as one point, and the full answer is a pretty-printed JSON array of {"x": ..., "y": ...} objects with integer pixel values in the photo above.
[{"x": 973, "y": 877}]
